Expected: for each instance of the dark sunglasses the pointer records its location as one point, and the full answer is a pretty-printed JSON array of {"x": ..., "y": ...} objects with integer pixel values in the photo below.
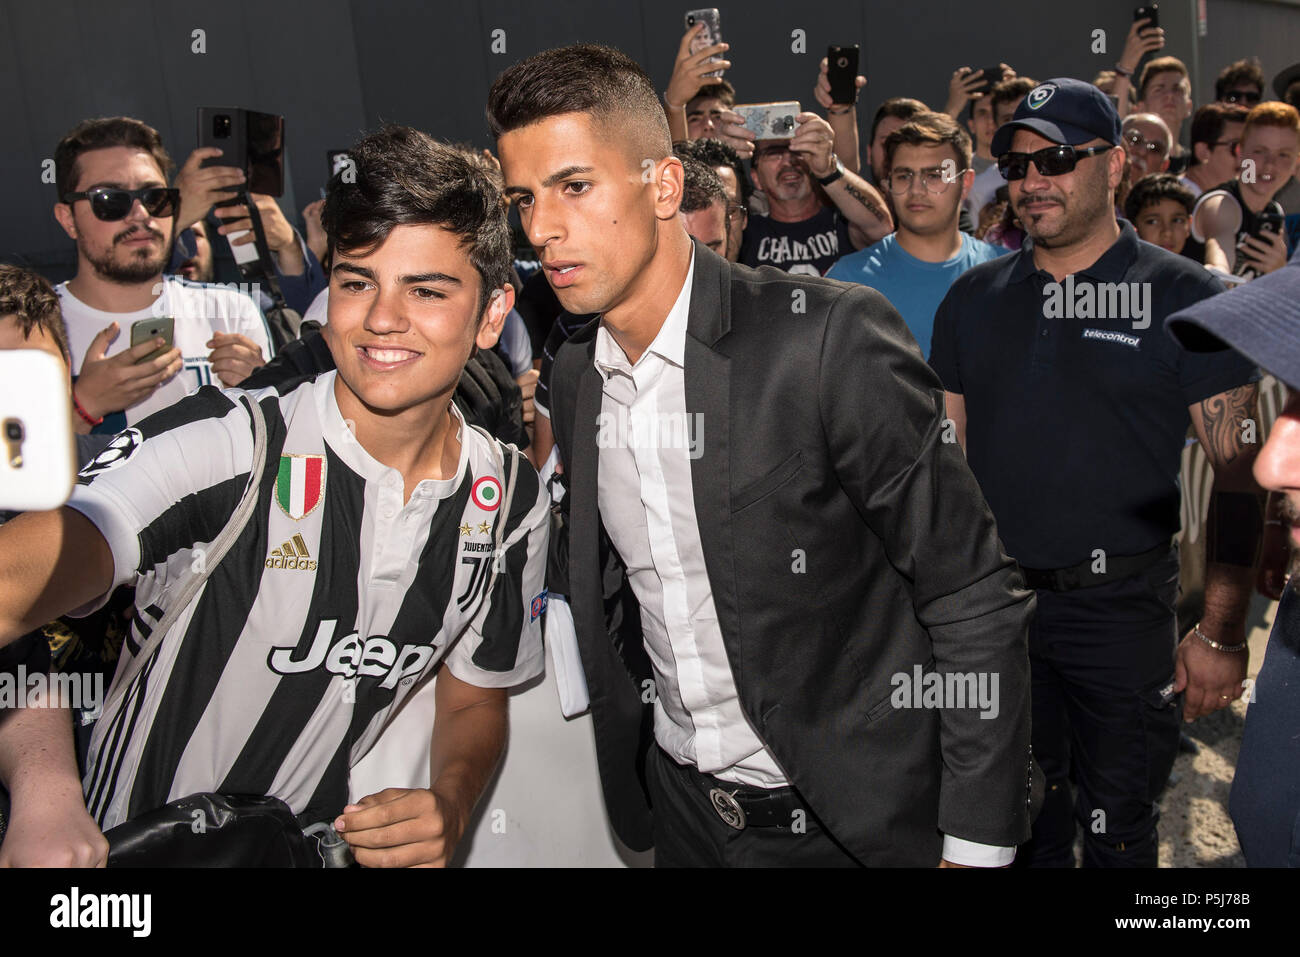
[
  {"x": 1241, "y": 96},
  {"x": 111, "y": 204},
  {"x": 1053, "y": 161}
]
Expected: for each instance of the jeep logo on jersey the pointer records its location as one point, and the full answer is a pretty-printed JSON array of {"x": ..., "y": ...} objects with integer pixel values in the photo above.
[
  {"x": 486, "y": 493},
  {"x": 300, "y": 484},
  {"x": 1040, "y": 95},
  {"x": 354, "y": 657},
  {"x": 115, "y": 453}
]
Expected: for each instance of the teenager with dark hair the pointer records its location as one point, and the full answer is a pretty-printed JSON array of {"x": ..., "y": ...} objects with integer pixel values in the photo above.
[
  {"x": 697, "y": 420},
  {"x": 386, "y": 538}
]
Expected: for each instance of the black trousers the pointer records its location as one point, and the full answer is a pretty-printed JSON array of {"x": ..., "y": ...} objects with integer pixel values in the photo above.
[
  {"x": 689, "y": 833},
  {"x": 1100, "y": 659}
]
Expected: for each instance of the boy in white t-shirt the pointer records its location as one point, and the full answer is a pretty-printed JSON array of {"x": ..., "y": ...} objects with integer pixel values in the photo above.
[{"x": 115, "y": 203}]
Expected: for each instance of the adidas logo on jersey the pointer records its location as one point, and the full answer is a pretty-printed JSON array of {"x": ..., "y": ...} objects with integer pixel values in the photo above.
[{"x": 292, "y": 554}]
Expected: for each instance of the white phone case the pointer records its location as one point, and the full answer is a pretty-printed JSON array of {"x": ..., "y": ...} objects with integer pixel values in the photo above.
[{"x": 36, "y": 471}]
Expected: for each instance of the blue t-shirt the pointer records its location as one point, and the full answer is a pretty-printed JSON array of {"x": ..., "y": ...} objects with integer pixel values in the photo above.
[{"x": 915, "y": 287}]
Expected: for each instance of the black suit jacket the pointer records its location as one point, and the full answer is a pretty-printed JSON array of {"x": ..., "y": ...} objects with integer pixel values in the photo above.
[{"x": 846, "y": 542}]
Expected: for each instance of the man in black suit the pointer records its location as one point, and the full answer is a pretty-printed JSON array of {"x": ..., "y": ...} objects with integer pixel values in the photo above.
[{"x": 832, "y": 666}]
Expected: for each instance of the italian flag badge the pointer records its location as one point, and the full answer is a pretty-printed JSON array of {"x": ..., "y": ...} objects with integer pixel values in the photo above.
[
  {"x": 486, "y": 493},
  {"x": 300, "y": 484}
]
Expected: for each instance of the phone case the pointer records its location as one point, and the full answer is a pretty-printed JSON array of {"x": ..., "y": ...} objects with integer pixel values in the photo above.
[
  {"x": 712, "y": 33},
  {"x": 38, "y": 469},
  {"x": 145, "y": 329},
  {"x": 841, "y": 72},
  {"x": 770, "y": 121}
]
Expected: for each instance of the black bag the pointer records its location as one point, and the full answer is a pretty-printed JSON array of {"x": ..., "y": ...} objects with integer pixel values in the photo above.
[{"x": 214, "y": 830}]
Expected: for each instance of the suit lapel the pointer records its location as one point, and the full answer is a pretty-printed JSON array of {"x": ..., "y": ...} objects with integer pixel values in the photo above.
[
  {"x": 584, "y": 540},
  {"x": 708, "y": 399}
]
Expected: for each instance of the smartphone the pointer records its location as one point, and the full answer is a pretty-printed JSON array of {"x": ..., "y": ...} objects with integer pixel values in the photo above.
[
  {"x": 842, "y": 71},
  {"x": 770, "y": 121},
  {"x": 711, "y": 35},
  {"x": 1268, "y": 221},
  {"x": 147, "y": 329},
  {"x": 992, "y": 76},
  {"x": 250, "y": 140},
  {"x": 39, "y": 462},
  {"x": 1151, "y": 13}
]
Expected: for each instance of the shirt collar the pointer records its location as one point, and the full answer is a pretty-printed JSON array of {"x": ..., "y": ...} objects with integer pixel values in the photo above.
[
  {"x": 1112, "y": 266},
  {"x": 344, "y": 444},
  {"x": 669, "y": 344}
]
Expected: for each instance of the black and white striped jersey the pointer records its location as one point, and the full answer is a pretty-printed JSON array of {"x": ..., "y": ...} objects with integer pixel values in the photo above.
[{"x": 334, "y": 602}]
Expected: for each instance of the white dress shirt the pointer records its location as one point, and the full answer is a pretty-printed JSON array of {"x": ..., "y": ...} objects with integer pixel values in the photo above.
[{"x": 646, "y": 443}]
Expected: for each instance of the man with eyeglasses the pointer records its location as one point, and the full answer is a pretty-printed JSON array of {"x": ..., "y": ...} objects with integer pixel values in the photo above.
[
  {"x": 800, "y": 234},
  {"x": 1216, "y": 131},
  {"x": 928, "y": 172},
  {"x": 1073, "y": 407},
  {"x": 735, "y": 183},
  {"x": 113, "y": 200},
  {"x": 1146, "y": 143}
]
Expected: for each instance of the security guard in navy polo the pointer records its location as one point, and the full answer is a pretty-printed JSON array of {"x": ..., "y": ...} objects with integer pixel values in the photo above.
[{"x": 1073, "y": 407}]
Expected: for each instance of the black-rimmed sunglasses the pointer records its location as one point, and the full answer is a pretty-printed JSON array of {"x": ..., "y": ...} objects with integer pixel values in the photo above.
[
  {"x": 110, "y": 204},
  {"x": 1248, "y": 97},
  {"x": 1052, "y": 161}
]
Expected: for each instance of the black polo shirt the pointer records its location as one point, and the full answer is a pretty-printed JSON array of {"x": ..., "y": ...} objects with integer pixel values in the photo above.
[{"x": 1075, "y": 426}]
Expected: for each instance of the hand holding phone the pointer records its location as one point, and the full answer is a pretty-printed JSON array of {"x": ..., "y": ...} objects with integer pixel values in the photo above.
[
  {"x": 1150, "y": 12},
  {"x": 842, "y": 74},
  {"x": 109, "y": 384},
  {"x": 710, "y": 35}
]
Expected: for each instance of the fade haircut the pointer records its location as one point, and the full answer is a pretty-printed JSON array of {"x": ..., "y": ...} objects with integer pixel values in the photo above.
[
  {"x": 32, "y": 301},
  {"x": 1162, "y": 64},
  {"x": 701, "y": 187},
  {"x": 1240, "y": 73},
  {"x": 899, "y": 108},
  {"x": 102, "y": 133},
  {"x": 1152, "y": 189},
  {"x": 930, "y": 129},
  {"x": 1209, "y": 120},
  {"x": 600, "y": 81},
  {"x": 715, "y": 153},
  {"x": 403, "y": 178}
]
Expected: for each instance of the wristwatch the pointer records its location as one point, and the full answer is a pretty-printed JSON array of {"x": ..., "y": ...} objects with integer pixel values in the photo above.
[{"x": 834, "y": 174}]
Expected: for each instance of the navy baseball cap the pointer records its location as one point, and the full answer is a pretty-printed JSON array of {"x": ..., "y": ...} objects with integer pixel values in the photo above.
[
  {"x": 1064, "y": 110},
  {"x": 1260, "y": 319}
]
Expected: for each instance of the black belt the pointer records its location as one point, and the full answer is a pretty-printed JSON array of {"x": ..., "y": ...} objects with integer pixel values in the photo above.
[
  {"x": 741, "y": 805},
  {"x": 1082, "y": 575}
]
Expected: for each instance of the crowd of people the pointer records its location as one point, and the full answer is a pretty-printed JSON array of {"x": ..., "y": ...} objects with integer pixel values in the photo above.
[{"x": 446, "y": 409}]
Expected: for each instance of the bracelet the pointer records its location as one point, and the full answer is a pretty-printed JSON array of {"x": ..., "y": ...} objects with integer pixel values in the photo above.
[
  {"x": 671, "y": 105},
  {"x": 1123, "y": 72},
  {"x": 1196, "y": 630},
  {"x": 85, "y": 416}
]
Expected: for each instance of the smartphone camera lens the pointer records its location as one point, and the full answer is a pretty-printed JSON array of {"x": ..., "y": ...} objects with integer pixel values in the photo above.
[
  {"x": 13, "y": 430},
  {"x": 842, "y": 62},
  {"x": 221, "y": 126}
]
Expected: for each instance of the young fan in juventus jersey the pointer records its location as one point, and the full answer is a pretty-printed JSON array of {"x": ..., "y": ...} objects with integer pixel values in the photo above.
[{"x": 371, "y": 558}]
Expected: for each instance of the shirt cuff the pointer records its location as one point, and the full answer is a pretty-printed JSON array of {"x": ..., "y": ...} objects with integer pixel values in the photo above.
[{"x": 958, "y": 851}]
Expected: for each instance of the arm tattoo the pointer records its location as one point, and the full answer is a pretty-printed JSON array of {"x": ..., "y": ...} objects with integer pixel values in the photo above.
[
  {"x": 1222, "y": 417},
  {"x": 865, "y": 200}
]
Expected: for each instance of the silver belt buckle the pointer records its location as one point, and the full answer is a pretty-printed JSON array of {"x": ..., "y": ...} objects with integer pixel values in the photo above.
[{"x": 728, "y": 808}]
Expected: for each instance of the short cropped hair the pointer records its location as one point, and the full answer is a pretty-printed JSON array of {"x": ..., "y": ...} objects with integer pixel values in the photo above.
[
  {"x": 899, "y": 108},
  {"x": 587, "y": 78},
  {"x": 930, "y": 129},
  {"x": 1152, "y": 189},
  {"x": 404, "y": 177},
  {"x": 1241, "y": 72},
  {"x": 1209, "y": 120},
  {"x": 30, "y": 299},
  {"x": 1161, "y": 64},
  {"x": 716, "y": 153},
  {"x": 1273, "y": 113},
  {"x": 719, "y": 89},
  {"x": 103, "y": 133},
  {"x": 701, "y": 186}
]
